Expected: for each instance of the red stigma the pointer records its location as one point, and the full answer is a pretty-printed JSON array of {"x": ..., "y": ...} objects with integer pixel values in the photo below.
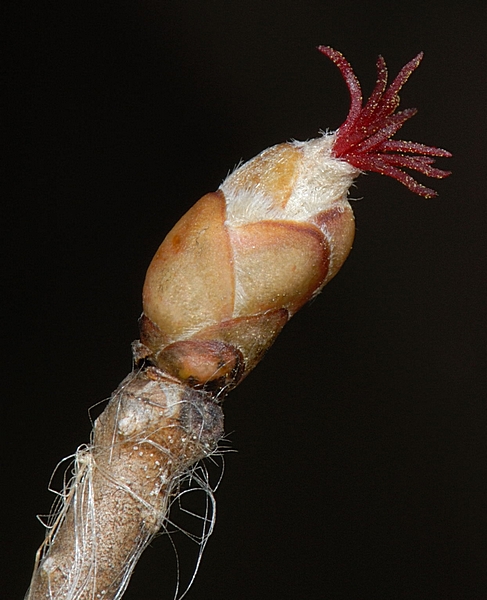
[{"x": 364, "y": 138}]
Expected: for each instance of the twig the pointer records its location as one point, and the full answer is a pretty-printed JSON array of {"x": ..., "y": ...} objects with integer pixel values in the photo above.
[{"x": 152, "y": 431}]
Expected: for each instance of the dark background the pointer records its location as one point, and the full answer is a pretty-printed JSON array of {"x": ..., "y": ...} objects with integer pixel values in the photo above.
[{"x": 360, "y": 469}]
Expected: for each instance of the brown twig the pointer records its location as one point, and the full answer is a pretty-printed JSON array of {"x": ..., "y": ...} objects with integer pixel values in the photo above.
[{"x": 152, "y": 431}]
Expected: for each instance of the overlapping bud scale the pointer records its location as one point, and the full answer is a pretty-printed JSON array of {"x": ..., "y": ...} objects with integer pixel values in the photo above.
[{"x": 244, "y": 259}]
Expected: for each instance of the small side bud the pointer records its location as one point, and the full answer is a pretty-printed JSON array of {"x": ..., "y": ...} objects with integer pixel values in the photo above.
[{"x": 211, "y": 365}]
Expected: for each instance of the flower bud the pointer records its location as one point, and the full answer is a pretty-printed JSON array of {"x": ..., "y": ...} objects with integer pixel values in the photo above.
[{"x": 244, "y": 259}]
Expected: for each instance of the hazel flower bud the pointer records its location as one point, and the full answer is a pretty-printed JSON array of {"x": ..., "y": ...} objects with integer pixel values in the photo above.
[{"x": 244, "y": 259}]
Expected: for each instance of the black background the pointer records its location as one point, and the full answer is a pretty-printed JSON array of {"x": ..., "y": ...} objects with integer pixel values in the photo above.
[{"x": 361, "y": 463}]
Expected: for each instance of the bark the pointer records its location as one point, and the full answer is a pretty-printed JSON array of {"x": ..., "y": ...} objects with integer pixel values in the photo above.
[{"x": 152, "y": 431}]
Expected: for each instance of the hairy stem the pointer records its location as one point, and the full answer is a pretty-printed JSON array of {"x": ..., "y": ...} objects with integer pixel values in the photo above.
[{"x": 152, "y": 431}]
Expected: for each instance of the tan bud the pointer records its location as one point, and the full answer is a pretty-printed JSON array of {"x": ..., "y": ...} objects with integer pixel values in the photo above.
[{"x": 244, "y": 259}]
